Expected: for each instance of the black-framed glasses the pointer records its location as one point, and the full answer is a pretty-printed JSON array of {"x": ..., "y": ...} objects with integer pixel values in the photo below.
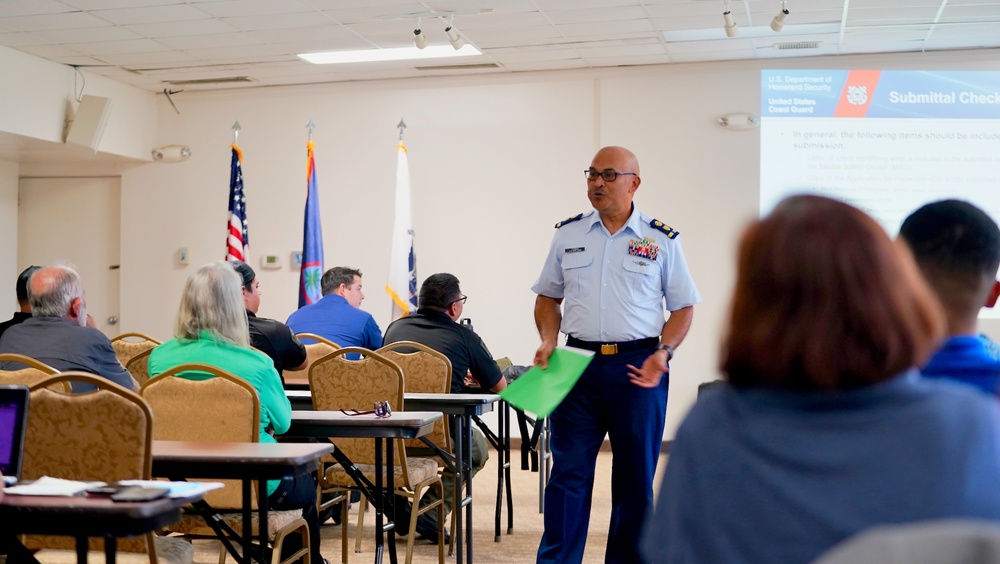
[
  {"x": 607, "y": 175},
  {"x": 462, "y": 299}
]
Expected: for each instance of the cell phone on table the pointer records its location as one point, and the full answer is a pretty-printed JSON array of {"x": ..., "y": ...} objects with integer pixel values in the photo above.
[
  {"x": 139, "y": 493},
  {"x": 103, "y": 490}
]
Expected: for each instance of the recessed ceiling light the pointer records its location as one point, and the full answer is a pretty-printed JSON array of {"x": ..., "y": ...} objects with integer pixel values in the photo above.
[{"x": 395, "y": 54}]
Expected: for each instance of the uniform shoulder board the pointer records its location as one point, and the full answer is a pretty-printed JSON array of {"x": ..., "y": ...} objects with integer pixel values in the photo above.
[
  {"x": 660, "y": 226},
  {"x": 569, "y": 220}
]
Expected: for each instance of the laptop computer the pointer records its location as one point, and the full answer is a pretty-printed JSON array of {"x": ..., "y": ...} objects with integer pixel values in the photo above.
[{"x": 13, "y": 420}]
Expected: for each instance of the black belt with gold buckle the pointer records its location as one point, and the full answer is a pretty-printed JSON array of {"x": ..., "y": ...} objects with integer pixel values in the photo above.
[{"x": 608, "y": 349}]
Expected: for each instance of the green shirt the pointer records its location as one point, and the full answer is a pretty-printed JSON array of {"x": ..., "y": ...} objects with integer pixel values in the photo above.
[{"x": 253, "y": 366}]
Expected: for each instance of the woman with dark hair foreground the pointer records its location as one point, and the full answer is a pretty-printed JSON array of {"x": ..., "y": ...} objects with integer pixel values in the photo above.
[{"x": 825, "y": 428}]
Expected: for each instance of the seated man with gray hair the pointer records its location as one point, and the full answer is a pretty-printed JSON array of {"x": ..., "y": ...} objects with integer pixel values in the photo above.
[{"x": 58, "y": 333}]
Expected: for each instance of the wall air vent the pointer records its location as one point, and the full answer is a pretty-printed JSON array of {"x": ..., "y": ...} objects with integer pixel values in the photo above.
[
  {"x": 220, "y": 80},
  {"x": 797, "y": 45},
  {"x": 480, "y": 66}
]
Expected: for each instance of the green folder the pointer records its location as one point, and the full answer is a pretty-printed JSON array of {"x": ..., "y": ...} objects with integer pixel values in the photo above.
[{"x": 541, "y": 391}]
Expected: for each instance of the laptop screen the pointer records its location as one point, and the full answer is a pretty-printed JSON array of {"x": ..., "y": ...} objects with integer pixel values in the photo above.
[{"x": 13, "y": 417}]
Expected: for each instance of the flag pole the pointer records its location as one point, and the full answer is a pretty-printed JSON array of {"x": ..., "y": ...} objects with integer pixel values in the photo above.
[
  {"x": 402, "y": 279},
  {"x": 238, "y": 239}
]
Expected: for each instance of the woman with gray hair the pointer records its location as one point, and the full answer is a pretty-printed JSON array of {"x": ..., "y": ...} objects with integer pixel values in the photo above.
[{"x": 212, "y": 329}]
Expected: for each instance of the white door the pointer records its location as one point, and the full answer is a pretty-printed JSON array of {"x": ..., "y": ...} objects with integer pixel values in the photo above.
[{"x": 76, "y": 220}]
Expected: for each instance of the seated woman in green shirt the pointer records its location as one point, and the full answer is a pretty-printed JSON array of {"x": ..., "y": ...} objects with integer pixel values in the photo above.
[{"x": 212, "y": 329}]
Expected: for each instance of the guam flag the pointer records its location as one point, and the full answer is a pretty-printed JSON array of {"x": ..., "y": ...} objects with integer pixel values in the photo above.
[{"x": 312, "y": 238}]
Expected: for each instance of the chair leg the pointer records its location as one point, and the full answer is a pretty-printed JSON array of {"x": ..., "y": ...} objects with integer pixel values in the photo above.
[
  {"x": 305, "y": 553},
  {"x": 412, "y": 531},
  {"x": 222, "y": 553},
  {"x": 343, "y": 533},
  {"x": 454, "y": 520},
  {"x": 362, "y": 509},
  {"x": 440, "y": 510}
]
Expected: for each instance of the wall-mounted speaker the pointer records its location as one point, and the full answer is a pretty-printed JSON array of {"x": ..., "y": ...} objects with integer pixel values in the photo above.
[{"x": 87, "y": 127}]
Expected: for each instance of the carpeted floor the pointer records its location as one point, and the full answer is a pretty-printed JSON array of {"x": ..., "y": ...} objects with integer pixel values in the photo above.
[{"x": 517, "y": 547}]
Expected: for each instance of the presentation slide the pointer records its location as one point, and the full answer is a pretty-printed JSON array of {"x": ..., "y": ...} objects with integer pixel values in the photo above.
[{"x": 884, "y": 141}]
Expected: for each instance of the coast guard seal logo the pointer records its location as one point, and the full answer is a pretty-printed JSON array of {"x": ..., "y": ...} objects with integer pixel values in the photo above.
[{"x": 857, "y": 95}]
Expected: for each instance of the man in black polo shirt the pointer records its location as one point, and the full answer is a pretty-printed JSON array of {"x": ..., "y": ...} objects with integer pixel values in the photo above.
[
  {"x": 21, "y": 289},
  {"x": 436, "y": 325},
  {"x": 271, "y": 337}
]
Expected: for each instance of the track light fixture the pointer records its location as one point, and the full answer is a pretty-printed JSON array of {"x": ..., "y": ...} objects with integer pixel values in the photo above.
[
  {"x": 732, "y": 30},
  {"x": 779, "y": 21},
  {"x": 419, "y": 39},
  {"x": 453, "y": 37}
]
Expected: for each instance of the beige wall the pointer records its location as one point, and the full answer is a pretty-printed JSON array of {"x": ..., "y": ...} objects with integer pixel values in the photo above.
[
  {"x": 495, "y": 162},
  {"x": 8, "y": 237}
]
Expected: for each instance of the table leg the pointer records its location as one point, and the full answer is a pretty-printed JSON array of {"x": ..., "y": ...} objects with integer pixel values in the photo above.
[
  {"x": 247, "y": 530},
  {"x": 82, "y": 546},
  {"x": 468, "y": 486},
  {"x": 390, "y": 489},
  {"x": 506, "y": 450},
  {"x": 263, "y": 528},
  {"x": 378, "y": 502},
  {"x": 498, "y": 513},
  {"x": 111, "y": 549},
  {"x": 460, "y": 423}
]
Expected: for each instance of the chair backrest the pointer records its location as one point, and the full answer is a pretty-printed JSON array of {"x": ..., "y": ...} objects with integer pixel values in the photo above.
[
  {"x": 34, "y": 372},
  {"x": 948, "y": 541},
  {"x": 225, "y": 408},
  {"x": 317, "y": 350},
  {"x": 338, "y": 383},
  {"x": 105, "y": 435},
  {"x": 425, "y": 371},
  {"x": 138, "y": 366},
  {"x": 127, "y": 345}
]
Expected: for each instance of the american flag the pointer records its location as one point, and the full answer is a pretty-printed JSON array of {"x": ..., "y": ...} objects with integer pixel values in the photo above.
[{"x": 238, "y": 241}]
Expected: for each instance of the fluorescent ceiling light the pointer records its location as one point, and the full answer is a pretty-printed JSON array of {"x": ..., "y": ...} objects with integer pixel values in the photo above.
[
  {"x": 710, "y": 34},
  {"x": 395, "y": 54}
]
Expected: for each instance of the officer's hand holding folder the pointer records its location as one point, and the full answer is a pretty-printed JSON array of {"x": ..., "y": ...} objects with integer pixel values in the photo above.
[{"x": 540, "y": 391}]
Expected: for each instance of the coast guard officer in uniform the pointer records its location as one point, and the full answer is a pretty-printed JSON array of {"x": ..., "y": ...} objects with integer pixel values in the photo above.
[{"x": 612, "y": 270}]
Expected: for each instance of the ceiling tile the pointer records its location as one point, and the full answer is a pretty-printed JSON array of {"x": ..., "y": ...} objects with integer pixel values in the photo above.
[
  {"x": 10, "y": 8},
  {"x": 173, "y": 29},
  {"x": 623, "y": 28},
  {"x": 152, "y": 14},
  {"x": 70, "y": 20},
  {"x": 299, "y": 19},
  {"x": 86, "y": 35},
  {"x": 212, "y": 40},
  {"x": 235, "y": 8},
  {"x": 127, "y": 46}
]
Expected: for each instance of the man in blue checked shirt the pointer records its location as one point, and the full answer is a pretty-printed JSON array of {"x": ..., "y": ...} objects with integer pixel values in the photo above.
[{"x": 608, "y": 275}]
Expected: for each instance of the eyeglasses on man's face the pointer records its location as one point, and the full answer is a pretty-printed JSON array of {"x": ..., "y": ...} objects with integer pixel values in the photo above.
[
  {"x": 462, "y": 299},
  {"x": 607, "y": 175}
]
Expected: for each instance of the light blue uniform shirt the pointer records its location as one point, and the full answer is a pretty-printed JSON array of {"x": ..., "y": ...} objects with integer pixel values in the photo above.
[{"x": 613, "y": 286}]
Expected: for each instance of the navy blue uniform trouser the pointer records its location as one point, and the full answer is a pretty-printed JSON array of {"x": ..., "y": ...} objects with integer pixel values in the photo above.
[{"x": 604, "y": 401}]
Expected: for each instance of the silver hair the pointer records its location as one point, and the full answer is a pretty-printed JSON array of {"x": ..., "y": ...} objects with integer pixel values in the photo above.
[
  {"x": 52, "y": 293},
  {"x": 212, "y": 301}
]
